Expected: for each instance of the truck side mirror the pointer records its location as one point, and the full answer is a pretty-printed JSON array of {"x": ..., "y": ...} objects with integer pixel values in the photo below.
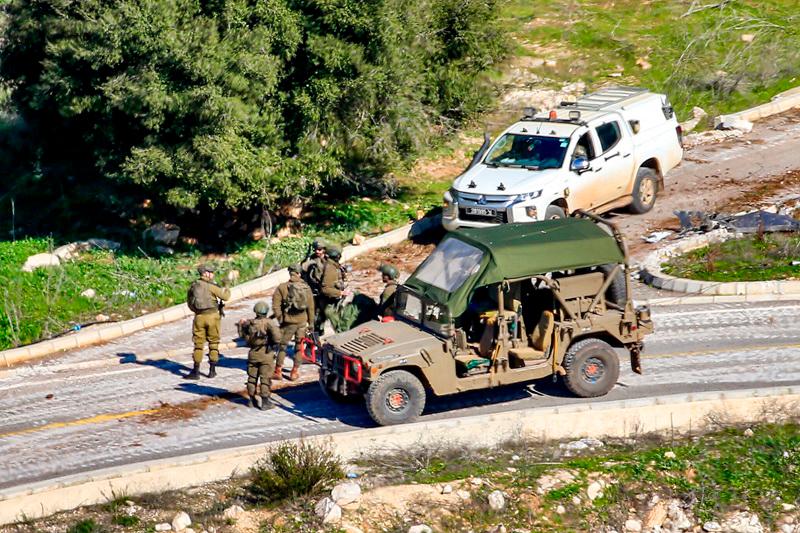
[{"x": 579, "y": 165}]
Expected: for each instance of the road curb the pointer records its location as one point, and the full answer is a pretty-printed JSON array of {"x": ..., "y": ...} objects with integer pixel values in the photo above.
[
  {"x": 780, "y": 102},
  {"x": 99, "y": 334},
  {"x": 677, "y": 414},
  {"x": 737, "y": 291}
]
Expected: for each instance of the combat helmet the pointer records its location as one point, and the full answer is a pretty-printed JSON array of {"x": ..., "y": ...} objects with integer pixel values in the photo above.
[
  {"x": 205, "y": 267},
  {"x": 318, "y": 244},
  {"x": 295, "y": 268},
  {"x": 389, "y": 270},
  {"x": 334, "y": 252},
  {"x": 261, "y": 308}
]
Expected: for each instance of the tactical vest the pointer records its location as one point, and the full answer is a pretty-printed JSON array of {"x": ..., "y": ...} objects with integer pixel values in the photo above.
[{"x": 257, "y": 333}]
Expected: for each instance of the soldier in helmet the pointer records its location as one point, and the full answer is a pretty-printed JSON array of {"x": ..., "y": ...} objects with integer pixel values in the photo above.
[
  {"x": 293, "y": 305},
  {"x": 389, "y": 275},
  {"x": 312, "y": 265},
  {"x": 205, "y": 300},
  {"x": 331, "y": 285},
  {"x": 261, "y": 334}
]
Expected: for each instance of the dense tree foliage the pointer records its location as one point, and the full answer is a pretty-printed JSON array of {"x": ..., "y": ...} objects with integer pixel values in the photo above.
[{"x": 235, "y": 103}]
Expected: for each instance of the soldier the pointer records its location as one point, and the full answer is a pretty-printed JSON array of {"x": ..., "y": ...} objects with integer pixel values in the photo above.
[
  {"x": 389, "y": 276},
  {"x": 331, "y": 285},
  {"x": 313, "y": 264},
  {"x": 261, "y": 334},
  {"x": 293, "y": 305},
  {"x": 205, "y": 300}
]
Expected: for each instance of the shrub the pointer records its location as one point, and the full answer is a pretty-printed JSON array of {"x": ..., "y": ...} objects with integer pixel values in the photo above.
[
  {"x": 294, "y": 469},
  {"x": 86, "y": 526}
]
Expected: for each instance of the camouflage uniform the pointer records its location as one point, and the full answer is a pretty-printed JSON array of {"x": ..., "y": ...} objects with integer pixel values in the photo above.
[
  {"x": 386, "y": 302},
  {"x": 261, "y": 334},
  {"x": 203, "y": 299},
  {"x": 331, "y": 287},
  {"x": 311, "y": 266},
  {"x": 293, "y": 321}
]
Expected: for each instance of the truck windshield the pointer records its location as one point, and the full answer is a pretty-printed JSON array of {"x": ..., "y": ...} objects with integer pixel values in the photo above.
[
  {"x": 450, "y": 264},
  {"x": 528, "y": 151}
]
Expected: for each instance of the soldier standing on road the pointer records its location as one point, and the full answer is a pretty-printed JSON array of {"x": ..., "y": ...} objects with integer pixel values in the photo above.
[
  {"x": 261, "y": 334},
  {"x": 331, "y": 285},
  {"x": 312, "y": 265},
  {"x": 293, "y": 305},
  {"x": 205, "y": 300},
  {"x": 389, "y": 275}
]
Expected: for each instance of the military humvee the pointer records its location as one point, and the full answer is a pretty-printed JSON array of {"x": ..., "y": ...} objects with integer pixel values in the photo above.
[{"x": 495, "y": 306}]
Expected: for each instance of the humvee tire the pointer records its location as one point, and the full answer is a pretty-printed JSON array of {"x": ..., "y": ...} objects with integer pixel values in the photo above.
[
  {"x": 643, "y": 197},
  {"x": 337, "y": 396},
  {"x": 396, "y": 397},
  {"x": 592, "y": 368}
]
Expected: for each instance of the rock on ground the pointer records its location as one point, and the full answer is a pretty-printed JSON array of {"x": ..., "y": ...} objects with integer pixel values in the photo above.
[
  {"x": 420, "y": 528},
  {"x": 163, "y": 527},
  {"x": 496, "y": 500},
  {"x": 632, "y": 525},
  {"x": 346, "y": 493},
  {"x": 594, "y": 490},
  {"x": 40, "y": 261},
  {"x": 328, "y": 510},
  {"x": 232, "y": 512},
  {"x": 181, "y": 521},
  {"x": 743, "y": 522}
]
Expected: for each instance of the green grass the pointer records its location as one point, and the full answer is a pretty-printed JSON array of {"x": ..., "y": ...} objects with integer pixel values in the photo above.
[
  {"x": 753, "y": 258},
  {"x": 85, "y": 526},
  {"x": 699, "y": 59}
]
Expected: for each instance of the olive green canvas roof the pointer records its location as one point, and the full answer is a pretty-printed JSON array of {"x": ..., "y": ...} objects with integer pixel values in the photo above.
[{"x": 512, "y": 251}]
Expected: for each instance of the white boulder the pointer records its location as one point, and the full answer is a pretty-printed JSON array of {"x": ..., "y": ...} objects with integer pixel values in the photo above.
[
  {"x": 346, "y": 493},
  {"x": 232, "y": 512},
  {"x": 40, "y": 261},
  {"x": 328, "y": 510},
  {"x": 496, "y": 500},
  {"x": 181, "y": 521}
]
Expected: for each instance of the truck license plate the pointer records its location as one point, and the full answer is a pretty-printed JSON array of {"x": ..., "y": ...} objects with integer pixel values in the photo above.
[{"x": 481, "y": 211}]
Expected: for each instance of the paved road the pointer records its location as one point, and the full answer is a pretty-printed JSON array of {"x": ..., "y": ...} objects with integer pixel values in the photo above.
[{"x": 108, "y": 414}]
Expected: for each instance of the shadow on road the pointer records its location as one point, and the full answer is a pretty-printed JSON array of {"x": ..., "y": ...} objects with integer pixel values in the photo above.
[
  {"x": 179, "y": 369},
  {"x": 212, "y": 392}
]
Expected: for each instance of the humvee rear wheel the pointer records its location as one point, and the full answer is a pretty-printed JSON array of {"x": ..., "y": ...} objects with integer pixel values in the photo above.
[
  {"x": 395, "y": 397},
  {"x": 592, "y": 368}
]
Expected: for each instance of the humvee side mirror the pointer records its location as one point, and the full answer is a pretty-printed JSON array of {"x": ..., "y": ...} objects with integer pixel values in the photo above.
[{"x": 579, "y": 165}]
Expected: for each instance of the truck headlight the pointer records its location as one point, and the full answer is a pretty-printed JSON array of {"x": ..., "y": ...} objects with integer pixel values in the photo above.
[
  {"x": 531, "y": 212},
  {"x": 450, "y": 203},
  {"x": 528, "y": 196}
]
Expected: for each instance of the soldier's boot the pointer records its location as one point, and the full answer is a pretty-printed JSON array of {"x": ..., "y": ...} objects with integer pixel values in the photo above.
[
  {"x": 212, "y": 370},
  {"x": 251, "y": 402},
  {"x": 278, "y": 374},
  {"x": 295, "y": 375},
  {"x": 266, "y": 403},
  {"x": 194, "y": 374}
]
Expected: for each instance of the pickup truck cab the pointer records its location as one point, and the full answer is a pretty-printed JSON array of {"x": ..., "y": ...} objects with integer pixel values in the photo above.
[{"x": 607, "y": 150}]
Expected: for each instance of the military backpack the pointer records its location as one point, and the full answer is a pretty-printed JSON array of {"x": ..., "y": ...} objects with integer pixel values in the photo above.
[
  {"x": 296, "y": 298},
  {"x": 199, "y": 298},
  {"x": 257, "y": 332}
]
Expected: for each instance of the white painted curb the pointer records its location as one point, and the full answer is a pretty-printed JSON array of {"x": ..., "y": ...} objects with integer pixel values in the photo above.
[
  {"x": 747, "y": 291},
  {"x": 619, "y": 419},
  {"x": 100, "y": 334},
  {"x": 780, "y": 102}
]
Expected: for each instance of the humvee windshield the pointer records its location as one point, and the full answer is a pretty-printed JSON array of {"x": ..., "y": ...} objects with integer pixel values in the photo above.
[
  {"x": 429, "y": 314},
  {"x": 450, "y": 264}
]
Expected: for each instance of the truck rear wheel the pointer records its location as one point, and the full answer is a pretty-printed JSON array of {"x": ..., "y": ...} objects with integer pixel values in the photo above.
[
  {"x": 592, "y": 368},
  {"x": 396, "y": 397},
  {"x": 644, "y": 190}
]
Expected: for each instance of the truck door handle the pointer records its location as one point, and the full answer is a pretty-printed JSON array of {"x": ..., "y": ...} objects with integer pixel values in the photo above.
[
  {"x": 626, "y": 155},
  {"x": 612, "y": 156},
  {"x": 598, "y": 169}
]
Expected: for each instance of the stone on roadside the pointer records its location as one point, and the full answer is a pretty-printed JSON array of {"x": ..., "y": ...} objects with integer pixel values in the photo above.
[
  {"x": 162, "y": 233},
  {"x": 594, "y": 491},
  {"x": 420, "y": 528},
  {"x": 735, "y": 123},
  {"x": 712, "y": 526},
  {"x": 561, "y": 509},
  {"x": 102, "y": 318},
  {"x": 163, "y": 527},
  {"x": 447, "y": 489},
  {"x": 358, "y": 239},
  {"x": 43, "y": 260},
  {"x": 232, "y": 512},
  {"x": 788, "y": 507},
  {"x": 669, "y": 455},
  {"x": 346, "y": 493},
  {"x": 463, "y": 494},
  {"x": 748, "y": 432},
  {"x": 633, "y": 525},
  {"x": 496, "y": 500},
  {"x": 328, "y": 511},
  {"x": 89, "y": 293},
  {"x": 476, "y": 481},
  {"x": 181, "y": 521},
  {"x": 677, "y": 516},
  {"x": 71, "y": 250},
  {"x": 656, "y": 515},
  {"x": 743, "y": 522}
]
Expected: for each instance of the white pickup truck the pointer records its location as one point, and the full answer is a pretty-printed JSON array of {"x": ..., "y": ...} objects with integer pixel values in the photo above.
[{"x": 607, "y": 150}]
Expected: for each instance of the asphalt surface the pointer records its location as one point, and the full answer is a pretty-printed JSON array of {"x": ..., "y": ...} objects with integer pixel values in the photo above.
[
  {"x": 125, "y": 402},
  {"x": 116, "y": 411}
]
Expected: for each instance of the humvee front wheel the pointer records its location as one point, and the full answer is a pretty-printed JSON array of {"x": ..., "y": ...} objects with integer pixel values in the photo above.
[
  {"x": 337, "y": 396},
  {"x": 592, "y": 368},
  {"x": 396, "y": 397}
]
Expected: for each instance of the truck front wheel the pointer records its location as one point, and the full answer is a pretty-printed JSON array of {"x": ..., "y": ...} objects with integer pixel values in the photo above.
[
  {"x": 592, "y": 368},
  {"x": 396, "y": 397},
  {"x": 644, "y": 190}
]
